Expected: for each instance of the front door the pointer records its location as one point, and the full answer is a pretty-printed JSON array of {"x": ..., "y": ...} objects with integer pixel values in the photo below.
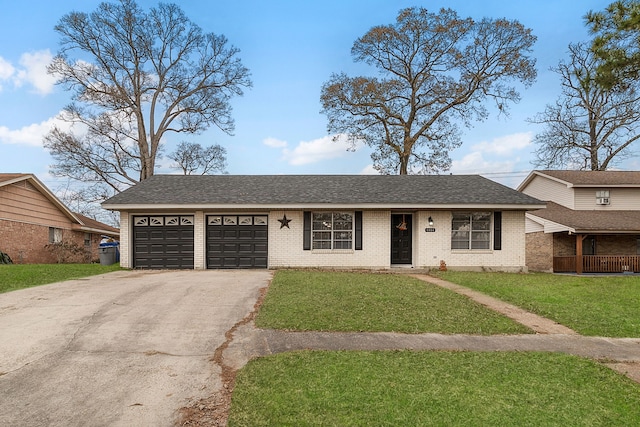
[{"x": 401, "y": 239}]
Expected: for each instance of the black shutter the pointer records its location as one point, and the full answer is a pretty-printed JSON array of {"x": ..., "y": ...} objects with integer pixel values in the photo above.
[
  {"x": 306, "y": 241},
  {"x": 497, "y": 231},
  {"x": 358, "y": 244}
]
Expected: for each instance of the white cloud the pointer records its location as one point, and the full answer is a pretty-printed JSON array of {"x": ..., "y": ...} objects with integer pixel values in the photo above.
[
  {"x": 31, "y": 134},
  {"x": 505, "y": 145},
  {"x": 369, "y": 170},
  {"x": 34, "y": 71},
  {"x": 274, "y": 142},
  {"x": 317, "y": 150},
  {"x": 6, "y": 70}
]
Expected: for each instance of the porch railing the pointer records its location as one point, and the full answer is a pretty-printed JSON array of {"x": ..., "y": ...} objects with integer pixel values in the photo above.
[
  {"x": 564, "y": 264},
  {"x": 598, "y": 264}
]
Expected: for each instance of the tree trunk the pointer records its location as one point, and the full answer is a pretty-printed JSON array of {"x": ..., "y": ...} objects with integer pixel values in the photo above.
[
  {"x": 404, "y": 163},
  {"x": 594, "y": 158}
]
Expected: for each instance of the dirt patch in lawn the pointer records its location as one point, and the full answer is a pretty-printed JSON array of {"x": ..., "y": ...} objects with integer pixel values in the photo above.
[{"x": 213, "y": 411}]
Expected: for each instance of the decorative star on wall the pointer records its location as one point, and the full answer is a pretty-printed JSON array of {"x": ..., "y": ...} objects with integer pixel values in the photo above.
[{"x": 284, "y": 222}]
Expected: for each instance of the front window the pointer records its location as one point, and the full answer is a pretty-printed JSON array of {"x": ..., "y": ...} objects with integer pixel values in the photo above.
[
  {"x": 471, "y": 230},
  {"x": 332, "y": 230}
]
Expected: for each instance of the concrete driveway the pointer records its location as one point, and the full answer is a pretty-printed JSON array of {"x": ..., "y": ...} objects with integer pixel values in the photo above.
[{"x": 123, "y": 349}]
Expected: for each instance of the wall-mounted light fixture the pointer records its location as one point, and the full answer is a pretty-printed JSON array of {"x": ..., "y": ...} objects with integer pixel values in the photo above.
[{"x": 430, "y": 222}]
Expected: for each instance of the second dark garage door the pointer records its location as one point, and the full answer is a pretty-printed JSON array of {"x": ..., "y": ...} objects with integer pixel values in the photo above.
[{"x": 237, "y": 241}]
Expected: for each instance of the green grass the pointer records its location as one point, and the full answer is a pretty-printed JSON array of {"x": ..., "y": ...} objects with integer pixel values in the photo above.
[
  {"x": 370, "y": 302},
  {"x": 19, "y": 276},
  {"x": 595, "y": 306},
  {"x": 405, "y": 388}
]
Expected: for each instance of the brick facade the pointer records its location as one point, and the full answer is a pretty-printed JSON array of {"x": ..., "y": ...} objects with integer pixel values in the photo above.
[
  {"x": 126, "y": 256},
  {"x": 27, "y": 243},
  {"x": 540, "y": 251},
  {"x": 618, "y": 245},
  {"x": 286, "y": 250},
  {"x": 563, "y": 244},
  {"x": 542, "y": 247},
  {"x": 434, "y": 247}
]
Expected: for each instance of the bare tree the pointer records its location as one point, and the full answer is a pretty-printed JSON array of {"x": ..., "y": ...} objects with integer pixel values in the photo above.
[
  {"x": 137, "y": 76},
  {"x": 191, "y": 157},
  {"x": 85, "y": 200},
  {"x": 436, "y": 70},
  {"x": 589, "y": 126}
]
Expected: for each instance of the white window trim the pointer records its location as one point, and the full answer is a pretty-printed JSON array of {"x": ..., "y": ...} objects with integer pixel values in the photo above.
[
  {"x": 470, "y": 249},
  {"x": 332, "y": 231}
]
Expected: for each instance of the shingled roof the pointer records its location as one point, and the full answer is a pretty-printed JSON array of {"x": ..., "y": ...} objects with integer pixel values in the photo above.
[
  {"x": 589, "y": 178},
  {"x": 591, "y": 221},
  {"x": 317, "y": 190}
]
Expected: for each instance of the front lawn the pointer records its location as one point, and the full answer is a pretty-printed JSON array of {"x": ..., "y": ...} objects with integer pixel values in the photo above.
[
  {"x": 596, "y": 306},
  {"x": 406, "y": 388},
  {"x": 373, "y": 302},
  {"x": 19, "y": 276}
]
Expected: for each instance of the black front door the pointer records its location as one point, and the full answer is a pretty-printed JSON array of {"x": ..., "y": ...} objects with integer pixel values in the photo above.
[{"x": 401, "y": 239}]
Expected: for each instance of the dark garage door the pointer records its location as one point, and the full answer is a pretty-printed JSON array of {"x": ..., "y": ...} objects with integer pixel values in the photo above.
[
  {"x": 163, "y": 241},
  {"x": 237, "y": 241}
]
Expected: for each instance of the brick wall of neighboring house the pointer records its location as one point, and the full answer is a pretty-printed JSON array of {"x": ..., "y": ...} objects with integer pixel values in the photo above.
[
  {"x": 24, "y": 243},
  {"x": 27, "y": 244},
  {"x": 539, "y": 251},
  {"x": 617, "y": 245},
  {"x": 564, "y": 245}
]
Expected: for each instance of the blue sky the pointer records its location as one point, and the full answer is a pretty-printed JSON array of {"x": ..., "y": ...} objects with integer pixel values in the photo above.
[{"x": 291, "y": 49}]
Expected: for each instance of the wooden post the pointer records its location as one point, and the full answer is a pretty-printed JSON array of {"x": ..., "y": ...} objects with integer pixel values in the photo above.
[{"x": 579, "y": 260}]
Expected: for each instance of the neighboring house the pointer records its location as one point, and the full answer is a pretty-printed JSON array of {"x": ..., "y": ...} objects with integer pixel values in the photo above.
[
  {"x": 34, "y": 224},
  {"x": 333, "y": 221},
  {"x": 591, "y": 222}
]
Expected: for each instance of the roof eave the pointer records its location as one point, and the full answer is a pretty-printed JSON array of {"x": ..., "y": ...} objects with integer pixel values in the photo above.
[
  {"x": 534, "y": 173},
  {"x": 560, "y": 227},
  {"x": 599, "y": 231},
  {"x": 333, "y": 206},
  {"x": 98, "y": 231},
  {"x": 602, "y": 185}
]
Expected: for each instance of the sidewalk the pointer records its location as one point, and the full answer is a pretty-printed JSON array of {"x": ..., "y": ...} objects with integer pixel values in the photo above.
[{"x": 621, "y": 354}]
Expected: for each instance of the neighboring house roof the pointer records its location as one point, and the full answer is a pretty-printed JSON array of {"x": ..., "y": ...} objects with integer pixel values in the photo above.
[
  {"x": 81, "y": 222},
  {"x": 589, "y": 221},
  {"x": 587, "y": 178},
  {"x": 91, "y": 225},
  {"x": 296, "y": 191}
]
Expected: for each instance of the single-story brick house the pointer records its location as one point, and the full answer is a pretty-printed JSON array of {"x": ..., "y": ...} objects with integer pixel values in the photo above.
[
  {"x": 34, "y": 224},
  {"x": 333, "y": 221}
]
